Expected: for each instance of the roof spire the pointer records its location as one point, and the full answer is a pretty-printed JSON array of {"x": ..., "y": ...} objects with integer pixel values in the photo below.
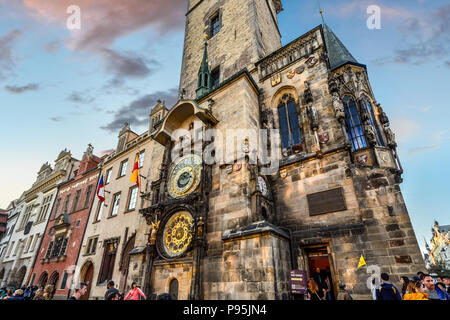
[{"x": 321, "y": 12}]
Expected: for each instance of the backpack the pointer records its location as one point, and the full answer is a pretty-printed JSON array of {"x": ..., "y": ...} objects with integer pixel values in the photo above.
[{"x": 388, "y": 292}]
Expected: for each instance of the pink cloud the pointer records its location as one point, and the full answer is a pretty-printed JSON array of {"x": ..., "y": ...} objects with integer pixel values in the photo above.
[{"x": 104, "y": 21}]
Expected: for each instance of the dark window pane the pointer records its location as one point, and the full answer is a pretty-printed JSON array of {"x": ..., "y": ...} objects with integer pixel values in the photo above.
[
  {"x": 293, "y": 121},
  {"x": 284, "y": 128},
  {"x": 215, "y": 78},
  {"x": 355, "y": 130},
  {"x": 215, "y": 25}
]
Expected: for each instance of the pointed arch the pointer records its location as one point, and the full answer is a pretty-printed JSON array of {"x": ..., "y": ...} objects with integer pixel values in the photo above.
[
  {"x": 286, "y": 100},
  {"x": 367, "y": 105}
]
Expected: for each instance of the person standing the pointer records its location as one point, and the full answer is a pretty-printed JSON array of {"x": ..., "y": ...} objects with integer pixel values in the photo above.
[
  {"x": 313, "y": 292},
  {"x": 79, "y": 292},
  {"x": 386, "y": 290},
  {"x": 111, "y": 289},
  {"x": 135, "y": 293},
  {"x": 404, "y": 281},
  {"x": 446, "y": 280},
  {"x": 415, "y": 291},
  {"x": 434, "y": 292},
  {"x": 343, "y": 293}
]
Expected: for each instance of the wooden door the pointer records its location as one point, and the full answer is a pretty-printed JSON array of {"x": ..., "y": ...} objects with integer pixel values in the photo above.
[{"x": 88, "y": 276}]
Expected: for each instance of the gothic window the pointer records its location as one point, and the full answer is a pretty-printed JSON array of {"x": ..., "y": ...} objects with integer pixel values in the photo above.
[
  {"x": 372, "y": 119},
  {"x": 288, "y": 121},
  {"x": 355, "y": 129},
  {"x": 215, "y": 78}
]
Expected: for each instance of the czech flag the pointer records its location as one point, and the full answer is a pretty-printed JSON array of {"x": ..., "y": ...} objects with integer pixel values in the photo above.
[
  {"x": 101, "y": 190},
  {"x": 135, "y": 174}
]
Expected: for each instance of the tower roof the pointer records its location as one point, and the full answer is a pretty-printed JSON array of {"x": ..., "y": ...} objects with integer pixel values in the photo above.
[
  {"x": 338, "y": 54},
  {"x": 204, "y": 68}
]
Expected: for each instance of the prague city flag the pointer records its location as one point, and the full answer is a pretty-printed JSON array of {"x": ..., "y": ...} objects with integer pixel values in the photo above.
[
  {"x": 135, "y": 174},
  {"x": 101, "y": 190}
]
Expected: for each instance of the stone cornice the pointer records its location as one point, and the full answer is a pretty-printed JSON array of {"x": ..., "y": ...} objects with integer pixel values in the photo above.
[{"x": 46, "y": 185}]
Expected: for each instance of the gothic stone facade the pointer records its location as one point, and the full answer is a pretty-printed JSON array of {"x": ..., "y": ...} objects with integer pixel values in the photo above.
[{"x": 246, "y": 237}]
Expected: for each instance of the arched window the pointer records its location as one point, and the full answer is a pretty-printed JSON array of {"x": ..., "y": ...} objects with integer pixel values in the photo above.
[
  {"x": 288, "y": 121},
  {"x": 173, "y": 289},
  {"x": 355, "y": 129},
  {"x": 373, "y": 121}
]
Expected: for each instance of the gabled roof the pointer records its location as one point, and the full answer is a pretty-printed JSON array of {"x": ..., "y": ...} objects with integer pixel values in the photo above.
[{"x": 338, "y": 54}]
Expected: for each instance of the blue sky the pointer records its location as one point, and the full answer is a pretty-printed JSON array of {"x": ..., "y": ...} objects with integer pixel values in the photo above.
[{"x": 64, "y": 89}]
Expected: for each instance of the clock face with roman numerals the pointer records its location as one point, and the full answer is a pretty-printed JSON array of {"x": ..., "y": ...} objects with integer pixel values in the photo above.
[{"x": 184, "y": 176}]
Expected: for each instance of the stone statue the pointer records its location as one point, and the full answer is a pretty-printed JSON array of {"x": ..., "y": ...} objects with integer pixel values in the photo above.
[
  {"x": 383, "y": 117},
  {"x": 338, "y": 106},
  {"x": 359, "y": 82},
  {"x": 390, "y": 136},
  {"x": 307, "y": 96},
  {"x": 313, "y": 116},
  {"x": 89, "y": 150},
  {"x": 370, "y": 133}
]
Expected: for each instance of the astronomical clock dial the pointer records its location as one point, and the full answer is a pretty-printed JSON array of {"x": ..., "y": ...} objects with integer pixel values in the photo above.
[
  {"x": 184, "y": 176},
  {"x": 262, "y": 186},
  {"x": 178, "y": 234}
]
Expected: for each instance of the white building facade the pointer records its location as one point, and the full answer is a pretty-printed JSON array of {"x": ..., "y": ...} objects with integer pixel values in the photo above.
[{"x": 31, "y": 223}]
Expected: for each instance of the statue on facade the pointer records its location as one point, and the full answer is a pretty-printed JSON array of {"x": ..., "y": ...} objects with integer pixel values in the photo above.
[
  {"x": 338, "y": 106},
  {"x": 370, "y": 133},
  {"x": 383, "y": 117},
  {"x": 89, "y": 150},
  {"x": 313, "y": 116},
  {"x": 307, "y": 96},
  {"x": 390, "y": 136}
]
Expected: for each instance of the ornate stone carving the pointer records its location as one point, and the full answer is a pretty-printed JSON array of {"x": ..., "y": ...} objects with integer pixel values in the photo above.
[
  {"x": 338, "y": 106},
  {"x": 313, "y": 116},
  {"x": 390, "y": 137},
  {"x": 370, "y": 133},
  {"x": 307, "y": 96}
]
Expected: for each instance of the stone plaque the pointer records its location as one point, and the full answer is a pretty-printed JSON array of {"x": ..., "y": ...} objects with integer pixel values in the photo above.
[{"x": 326, "y": 201}]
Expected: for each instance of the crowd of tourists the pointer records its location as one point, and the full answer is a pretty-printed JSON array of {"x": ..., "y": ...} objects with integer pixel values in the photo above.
[
  {"x": 420, "y": 287},
  {"x": 27, "y": 293},
  {"x": 320, "y": 287},
  {"x": 47, "y": 293}
]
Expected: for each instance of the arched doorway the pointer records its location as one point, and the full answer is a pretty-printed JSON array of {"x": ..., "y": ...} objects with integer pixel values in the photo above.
[
  {"x": 173, "y": 289},
  {"x": 20, "y": 275},
  {"x": 125, "y": 263},
  {"x": 87, "y": 274},
  {"x": 54, "y": 281},
  {"x": 42, "y": 282}
]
